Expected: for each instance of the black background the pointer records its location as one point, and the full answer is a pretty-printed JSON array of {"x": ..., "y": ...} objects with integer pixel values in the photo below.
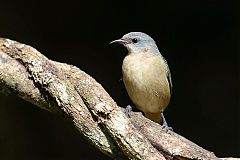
[{"x": 199, "y": 39}]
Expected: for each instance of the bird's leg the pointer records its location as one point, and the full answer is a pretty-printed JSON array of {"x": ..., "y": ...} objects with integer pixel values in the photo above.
[
  {"x": 165, "y": 125},
  {"x": 127, "y": 111}
]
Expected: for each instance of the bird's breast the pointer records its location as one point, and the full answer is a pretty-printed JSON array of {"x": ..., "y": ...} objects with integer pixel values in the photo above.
[{"x": 145, "y": 79}]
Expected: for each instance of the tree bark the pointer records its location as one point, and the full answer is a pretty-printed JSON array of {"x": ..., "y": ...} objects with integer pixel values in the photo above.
[{"x": 64, "y": 89}]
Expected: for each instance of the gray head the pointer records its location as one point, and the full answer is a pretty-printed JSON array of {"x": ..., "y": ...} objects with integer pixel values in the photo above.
[{"x": 137, "y": 42}]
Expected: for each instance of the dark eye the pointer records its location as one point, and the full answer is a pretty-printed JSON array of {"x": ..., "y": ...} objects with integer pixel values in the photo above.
[{"x": 134, "y": 40}]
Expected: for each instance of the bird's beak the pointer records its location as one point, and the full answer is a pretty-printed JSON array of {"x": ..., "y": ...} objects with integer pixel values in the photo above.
[{"x": 120, "y": 41}]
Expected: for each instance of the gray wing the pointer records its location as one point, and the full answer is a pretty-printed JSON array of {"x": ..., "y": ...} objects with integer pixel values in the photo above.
[
  {"x": 170, "y": 81},
  {"x": 169, "y": 78}
]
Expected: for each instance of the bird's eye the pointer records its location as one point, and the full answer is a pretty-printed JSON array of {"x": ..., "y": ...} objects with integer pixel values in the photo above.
[{"x": 134, "y": 40}]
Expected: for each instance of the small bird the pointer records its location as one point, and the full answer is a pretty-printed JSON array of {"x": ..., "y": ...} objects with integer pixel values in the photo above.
[{"x": 146, "y": 75}]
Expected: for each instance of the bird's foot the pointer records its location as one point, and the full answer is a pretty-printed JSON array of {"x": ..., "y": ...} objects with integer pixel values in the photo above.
[
  {"x": 127, "y": 111},
  {"x": 165, "y": 125}
]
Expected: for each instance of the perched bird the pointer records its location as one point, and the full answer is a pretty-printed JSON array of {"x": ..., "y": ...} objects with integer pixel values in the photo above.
[{"x": 146, "y": 75}]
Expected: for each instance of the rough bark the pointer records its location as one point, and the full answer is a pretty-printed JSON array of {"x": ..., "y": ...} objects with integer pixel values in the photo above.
[{"x": 64, "y": 89}]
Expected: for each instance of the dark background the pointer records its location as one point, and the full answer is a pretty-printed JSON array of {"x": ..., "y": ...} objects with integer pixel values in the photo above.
[{"x": 199, "y": 39}]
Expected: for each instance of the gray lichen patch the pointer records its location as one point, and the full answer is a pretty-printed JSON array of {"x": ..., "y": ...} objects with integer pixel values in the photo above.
[
  {"x": 8, "y": 43},
  {"x": 4, "y": 58},
  {"x": 62, "y": 92}
]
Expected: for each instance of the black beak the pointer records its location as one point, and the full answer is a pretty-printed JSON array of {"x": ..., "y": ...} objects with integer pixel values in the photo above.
[{"x": 120, "y": 41}]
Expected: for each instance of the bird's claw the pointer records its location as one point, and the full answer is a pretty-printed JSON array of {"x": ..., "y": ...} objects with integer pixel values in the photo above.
[
  {"x": 165, "y": 125},
  {"x": 127, "y": 111}
]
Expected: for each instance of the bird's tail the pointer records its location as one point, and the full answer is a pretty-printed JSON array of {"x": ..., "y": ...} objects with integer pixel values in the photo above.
[{"x": 156, "y": 117}]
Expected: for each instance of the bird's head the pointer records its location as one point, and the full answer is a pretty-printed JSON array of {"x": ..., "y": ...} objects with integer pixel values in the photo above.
[{"x": 137, "y": 42}]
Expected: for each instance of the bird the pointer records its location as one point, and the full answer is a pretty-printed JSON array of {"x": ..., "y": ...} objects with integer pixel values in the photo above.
[{"x": 146, "y": 75}]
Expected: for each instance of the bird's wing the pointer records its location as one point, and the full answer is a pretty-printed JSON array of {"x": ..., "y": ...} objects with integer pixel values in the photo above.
[
  {"x": 170, "y": 81},
  {"x": 169, "y": 78}
]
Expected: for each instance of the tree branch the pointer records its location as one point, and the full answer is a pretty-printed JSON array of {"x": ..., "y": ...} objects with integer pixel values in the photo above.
[{"x": 64, "y": 89}]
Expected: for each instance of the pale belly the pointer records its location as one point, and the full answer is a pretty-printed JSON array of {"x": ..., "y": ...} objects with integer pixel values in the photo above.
[{"x": 146, "y": 83}]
